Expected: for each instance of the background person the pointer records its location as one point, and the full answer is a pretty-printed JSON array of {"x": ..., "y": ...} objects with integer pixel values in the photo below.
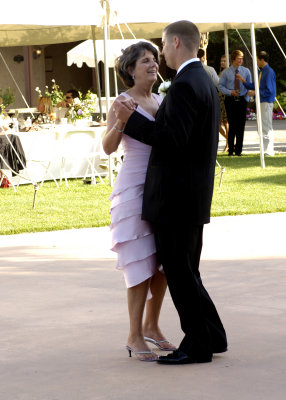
[
  {"x": 132, "y": 238},
  {"x": 267, "y": 91},
  {"x": 236, "y": 99},
  {"x": 210, "y": 70},
  {"x": 223, "y": 124},
  {"x": 45, "y": 107},
  {"x": 68, "y": 99},
  {"x": 62, "y": 107}
]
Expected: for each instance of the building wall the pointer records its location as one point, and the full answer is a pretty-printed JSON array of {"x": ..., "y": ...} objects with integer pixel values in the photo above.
[
  {"x": 66, "y": 77},
  {"x": 18, "y": 72}
]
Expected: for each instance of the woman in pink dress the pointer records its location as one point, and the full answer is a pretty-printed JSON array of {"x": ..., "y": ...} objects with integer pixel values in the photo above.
[{"x": 132, "y": 238}]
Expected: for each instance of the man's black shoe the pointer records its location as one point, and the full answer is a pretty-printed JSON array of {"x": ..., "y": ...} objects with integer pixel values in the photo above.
[
  {"x": 219, "y": 350},
  {"x": 179, "y": 357}
]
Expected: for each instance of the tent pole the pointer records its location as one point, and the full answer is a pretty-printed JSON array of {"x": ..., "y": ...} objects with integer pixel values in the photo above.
[
  {"x": 226, "y": 49},
  {"x": 257, "y": 94},
  {"x": 97, "y": 73},
  {"x": 28, "y": 73},
  {"x": 106, "y": 81}
]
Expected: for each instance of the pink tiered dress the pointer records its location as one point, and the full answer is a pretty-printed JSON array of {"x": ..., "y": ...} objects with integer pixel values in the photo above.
[{"x": 132, "y": 238}]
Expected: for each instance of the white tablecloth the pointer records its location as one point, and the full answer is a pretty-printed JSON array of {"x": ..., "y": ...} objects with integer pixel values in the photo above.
[{"x": 40, "y": 147}]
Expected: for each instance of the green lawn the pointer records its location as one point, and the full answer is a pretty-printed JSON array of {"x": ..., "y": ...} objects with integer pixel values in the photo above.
[{"x": 246, "y": 189}]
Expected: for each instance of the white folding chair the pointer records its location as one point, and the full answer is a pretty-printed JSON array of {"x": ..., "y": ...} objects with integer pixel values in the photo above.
[
  {"x": 81, "y": 152},
  {"x": 43, "y": 155}
]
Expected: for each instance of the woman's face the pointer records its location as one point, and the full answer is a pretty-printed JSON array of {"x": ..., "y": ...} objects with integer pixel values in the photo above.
[
  {"x": 146, "y": 68},
  {"x": 223, "y": 62}
]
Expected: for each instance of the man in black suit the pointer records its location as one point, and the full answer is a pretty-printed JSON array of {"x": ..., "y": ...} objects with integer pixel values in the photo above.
[{"x": 177, "y": 200}]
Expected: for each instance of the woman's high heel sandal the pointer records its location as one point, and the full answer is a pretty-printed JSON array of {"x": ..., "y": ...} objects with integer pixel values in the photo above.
[
  {"x": 138, "y": 353},
  {"x": 160, "y": 344}
]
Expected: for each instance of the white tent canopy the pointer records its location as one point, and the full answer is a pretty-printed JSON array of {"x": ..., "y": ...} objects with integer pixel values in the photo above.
[
  {"x": 84, "y": 52},
  {"x": 32, "y": 35},
  {"x": 32, "y": 23},
  {"x": 149, "y": 17},
  {"x": 60, "y": 22}
]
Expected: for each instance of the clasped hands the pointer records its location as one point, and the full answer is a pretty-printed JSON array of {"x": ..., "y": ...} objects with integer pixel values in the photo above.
[
  {"x": 123, "y": 109},
  {"x": 250, "y": 92}
]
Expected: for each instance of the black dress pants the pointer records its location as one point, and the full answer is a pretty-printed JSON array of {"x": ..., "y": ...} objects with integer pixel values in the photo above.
[
  {"x": 236, "y": 115},
  {"x": 179, "y": 250}
]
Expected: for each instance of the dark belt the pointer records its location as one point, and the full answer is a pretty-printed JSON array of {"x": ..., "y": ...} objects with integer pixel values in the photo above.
[{"x": 236, "y": 98}]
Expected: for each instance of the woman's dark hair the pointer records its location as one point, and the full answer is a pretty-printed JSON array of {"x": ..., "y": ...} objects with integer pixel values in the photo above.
[
  {"x": 73, "y": 92},
  {"x": 129, "y": 58}
]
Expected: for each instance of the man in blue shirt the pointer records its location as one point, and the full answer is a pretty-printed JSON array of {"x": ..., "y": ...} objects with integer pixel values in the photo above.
[
  {"x": 236, "y": 99},
  {"x": 267, "y": 91}
]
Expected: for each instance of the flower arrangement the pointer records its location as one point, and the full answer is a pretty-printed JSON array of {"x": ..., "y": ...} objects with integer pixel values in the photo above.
[
  {"x": 90, "y": 100},
  {"x": 2, "y": 108},
  {"x": 3, "y": 114},
  {"x": 163, "y": 88},
  {"x": 82, "y": 107},
  {"x": 251, "y": 114},
  {"x": 78, "y": 110},
  {"x": 56, "y": 94},
  {"x": 278, "y": 114}
]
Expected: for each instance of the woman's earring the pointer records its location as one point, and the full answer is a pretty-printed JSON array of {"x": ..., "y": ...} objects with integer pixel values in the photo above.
[{"x": 133, "y": 77}]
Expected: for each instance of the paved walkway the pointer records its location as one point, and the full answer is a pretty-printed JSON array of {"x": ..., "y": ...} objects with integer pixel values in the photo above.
[
  {"x": 64, "y": 318},
  {"x": 251, "y": 138}
]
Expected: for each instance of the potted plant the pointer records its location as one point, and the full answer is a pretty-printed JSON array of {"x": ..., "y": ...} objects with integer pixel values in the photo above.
[{"x": 7, "y": 97}]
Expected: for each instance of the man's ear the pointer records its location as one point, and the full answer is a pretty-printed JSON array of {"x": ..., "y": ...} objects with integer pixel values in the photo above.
[{"x": 177, "y": 41}]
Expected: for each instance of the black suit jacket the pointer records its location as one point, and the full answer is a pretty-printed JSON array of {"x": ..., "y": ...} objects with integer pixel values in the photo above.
[{"x": 184, "y": 139}]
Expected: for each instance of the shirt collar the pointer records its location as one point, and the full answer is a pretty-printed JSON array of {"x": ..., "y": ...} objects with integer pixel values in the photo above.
[
  {"x": 234, "y": 69},
  {"x": 186, "y": 63}
]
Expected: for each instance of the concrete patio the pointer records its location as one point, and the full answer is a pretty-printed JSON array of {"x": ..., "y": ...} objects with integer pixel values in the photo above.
[
  {"x": 251, "y": 138},
  {"x": 64, "y": 318}
]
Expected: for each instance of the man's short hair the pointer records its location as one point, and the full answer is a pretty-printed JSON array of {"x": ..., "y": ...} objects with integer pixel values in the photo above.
[
  {"x": 201, "y": 53},
  {"x": 263, "y": 55},
  {"x": 188, "y": 33},
  {"x": 73, "y": 92},
  {"x": 236, "y": 53}
]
